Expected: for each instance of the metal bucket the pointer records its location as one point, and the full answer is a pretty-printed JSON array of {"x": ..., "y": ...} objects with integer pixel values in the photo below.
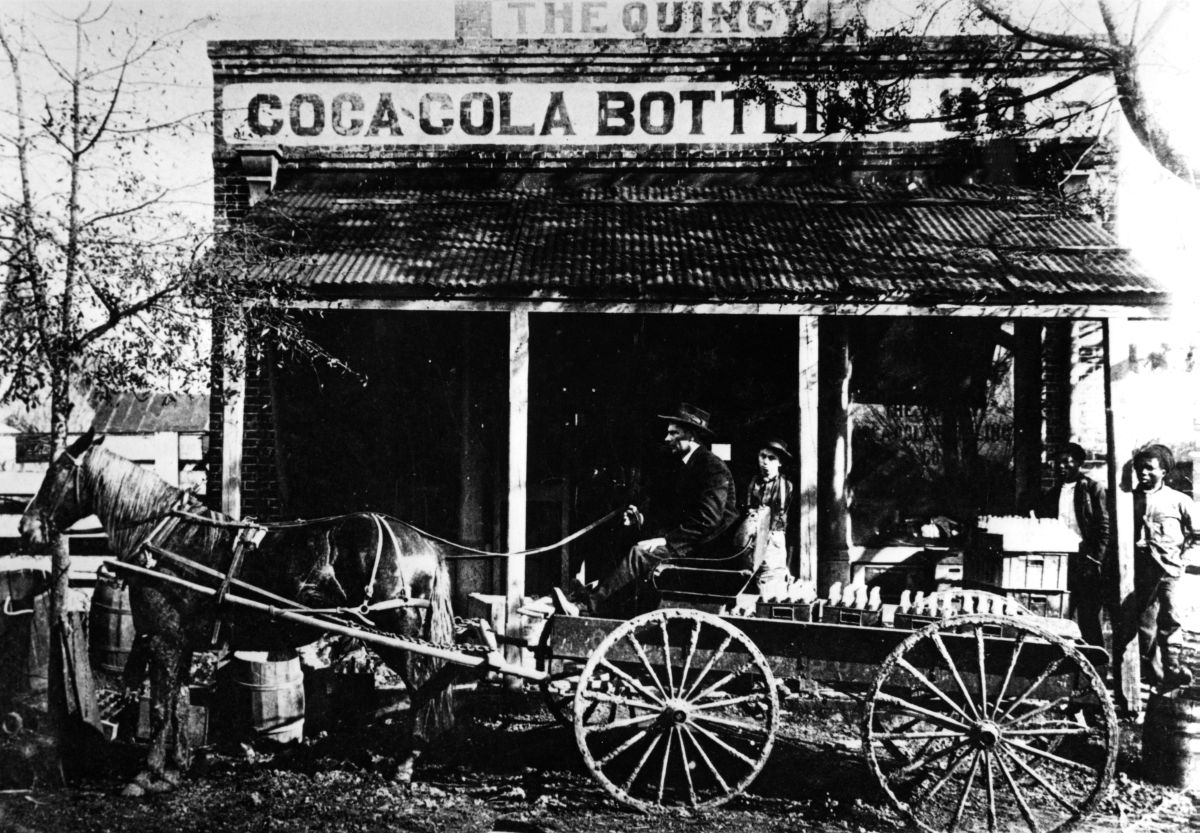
[
  {"x": 1171, "y": 739},
  {"x": 110, "y": 625},
  {"x": 269, "y": 695}
]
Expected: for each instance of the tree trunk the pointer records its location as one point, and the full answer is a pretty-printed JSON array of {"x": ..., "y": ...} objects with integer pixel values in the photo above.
[{"x": 60, "y": 565}]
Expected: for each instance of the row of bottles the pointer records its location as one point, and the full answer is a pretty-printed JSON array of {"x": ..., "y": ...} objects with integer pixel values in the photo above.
[
  {"x": 943, "y": 604},
  {"x": 856, "y": 596}
]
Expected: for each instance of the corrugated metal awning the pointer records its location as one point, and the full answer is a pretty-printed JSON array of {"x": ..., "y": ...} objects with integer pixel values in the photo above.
[{"x": 696, "y": 243}]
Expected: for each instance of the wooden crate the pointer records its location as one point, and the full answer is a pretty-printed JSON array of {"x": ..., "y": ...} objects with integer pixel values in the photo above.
[
  {"x": 1016, "y": 570},
  {"x": 789, "y": 611},
  {"x": 1050, "y": 603},
  {"x": 837, "y": 615}
]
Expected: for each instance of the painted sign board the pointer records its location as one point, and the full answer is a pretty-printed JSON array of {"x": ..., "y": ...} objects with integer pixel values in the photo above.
[{"x": 574, "y": 113}]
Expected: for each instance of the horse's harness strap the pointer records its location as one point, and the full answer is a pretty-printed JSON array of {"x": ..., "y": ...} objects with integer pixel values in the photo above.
[{"x": 367, "y": 606}]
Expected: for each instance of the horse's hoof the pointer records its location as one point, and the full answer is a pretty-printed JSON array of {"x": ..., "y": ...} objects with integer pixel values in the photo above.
[
  {"x": 133, "y": 790},
  {"x": 172, "y": 777}
]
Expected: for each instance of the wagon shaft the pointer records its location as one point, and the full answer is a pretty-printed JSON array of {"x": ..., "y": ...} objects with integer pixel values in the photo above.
[{"x": 490, "y": 661}]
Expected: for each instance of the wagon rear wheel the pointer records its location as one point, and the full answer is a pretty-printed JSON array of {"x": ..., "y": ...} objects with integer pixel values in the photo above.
[
  {"x": 676, "y": 709},
  {"x": 990, "y": 723}
]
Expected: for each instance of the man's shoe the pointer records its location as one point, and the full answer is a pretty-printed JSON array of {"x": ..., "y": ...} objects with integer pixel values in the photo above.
[{"x": 1175, "y": 678}]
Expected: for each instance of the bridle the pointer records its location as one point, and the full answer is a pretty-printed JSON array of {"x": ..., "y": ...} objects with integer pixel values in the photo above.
[{"x": 76, "y": 465}]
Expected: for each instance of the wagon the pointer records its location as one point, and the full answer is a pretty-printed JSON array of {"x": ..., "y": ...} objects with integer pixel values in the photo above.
[{"x": 970, "y": 722}]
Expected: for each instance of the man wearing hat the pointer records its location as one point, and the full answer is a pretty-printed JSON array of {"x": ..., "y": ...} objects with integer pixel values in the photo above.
[{"x": 699, "y": 508}]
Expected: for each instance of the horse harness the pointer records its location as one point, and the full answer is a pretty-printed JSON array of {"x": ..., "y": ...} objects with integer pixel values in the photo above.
[{"x": 250, "y": 534}]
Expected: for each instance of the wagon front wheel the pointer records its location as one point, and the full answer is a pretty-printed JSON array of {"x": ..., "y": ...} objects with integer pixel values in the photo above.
[
  {"x": 990, "y": 723},
  {"x": 675, "y": 709}
]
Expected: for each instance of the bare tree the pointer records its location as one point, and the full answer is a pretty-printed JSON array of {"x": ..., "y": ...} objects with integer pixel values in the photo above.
[
  {"x": 111, "y": 281},
  {"x": 1029, "y": 69}
]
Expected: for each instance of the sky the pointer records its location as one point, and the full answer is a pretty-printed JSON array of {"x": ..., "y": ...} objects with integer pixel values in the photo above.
[{"x": 1159, "y": 215}]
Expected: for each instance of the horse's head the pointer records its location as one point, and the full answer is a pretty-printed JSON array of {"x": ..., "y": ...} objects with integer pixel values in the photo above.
[{"x": 59, "y": 500}]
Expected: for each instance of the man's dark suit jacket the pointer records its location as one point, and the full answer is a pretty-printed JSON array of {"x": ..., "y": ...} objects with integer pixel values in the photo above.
[
  {"x": 699, "y": 509},
  {"x": 1091, "y": 513}
]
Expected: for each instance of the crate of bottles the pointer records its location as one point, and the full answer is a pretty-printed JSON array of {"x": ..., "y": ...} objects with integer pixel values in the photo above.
[
  {"x": 1054, "y": 604},
  {"x": 789, "y": 611},
  {"x": 842, "y": 615}
]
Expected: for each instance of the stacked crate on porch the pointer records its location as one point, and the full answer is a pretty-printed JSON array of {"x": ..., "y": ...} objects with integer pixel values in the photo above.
[{"x": 1023, "y": 559}]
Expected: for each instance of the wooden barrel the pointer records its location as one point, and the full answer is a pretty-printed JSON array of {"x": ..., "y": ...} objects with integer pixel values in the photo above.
[
  {"x": 24, "y": 626},
  {"x": 110, "y": 625},
  {"x": 1171, "y": 739},
  {"x": 269, "y": 695}
]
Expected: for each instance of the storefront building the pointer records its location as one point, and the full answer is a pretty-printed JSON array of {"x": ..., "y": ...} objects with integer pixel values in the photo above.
[{"x": 526, "y": 242}]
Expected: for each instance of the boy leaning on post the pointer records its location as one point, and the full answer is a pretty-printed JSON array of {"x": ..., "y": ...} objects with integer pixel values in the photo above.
[{"x": 1164, "y": 522}]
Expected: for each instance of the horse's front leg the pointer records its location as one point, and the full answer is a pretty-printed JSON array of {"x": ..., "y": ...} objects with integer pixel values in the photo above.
[
  {"x": 430, "y": 712},
  {"x": 169, "y": 670}
]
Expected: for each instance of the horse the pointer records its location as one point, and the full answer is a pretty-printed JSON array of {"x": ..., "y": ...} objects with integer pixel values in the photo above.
[{"x": 344, "y": 561}]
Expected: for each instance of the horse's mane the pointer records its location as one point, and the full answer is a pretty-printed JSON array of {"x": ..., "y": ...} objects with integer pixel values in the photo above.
[{"x": 128, "y": 499}]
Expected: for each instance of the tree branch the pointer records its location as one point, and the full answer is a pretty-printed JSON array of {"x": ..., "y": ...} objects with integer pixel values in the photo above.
[{"x": 1056, "y": 40}]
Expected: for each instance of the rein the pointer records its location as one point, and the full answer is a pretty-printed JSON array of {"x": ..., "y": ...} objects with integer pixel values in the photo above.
[{"x": 469, "y": 552}]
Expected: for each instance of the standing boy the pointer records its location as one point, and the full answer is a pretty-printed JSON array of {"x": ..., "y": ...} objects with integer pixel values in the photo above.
[{"x": 1164, "y": 529}]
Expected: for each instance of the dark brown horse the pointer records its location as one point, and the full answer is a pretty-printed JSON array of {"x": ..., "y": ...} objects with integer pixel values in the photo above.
[{"x": 348, "y": 560}]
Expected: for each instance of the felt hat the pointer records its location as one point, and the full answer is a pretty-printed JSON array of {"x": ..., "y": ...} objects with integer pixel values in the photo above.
[
  {"x": 780, "y": 448},
  {"x": 691, "y": 416}
]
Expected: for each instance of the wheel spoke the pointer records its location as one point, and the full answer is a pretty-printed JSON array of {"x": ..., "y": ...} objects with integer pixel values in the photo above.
[
  {"x": 966, "y": 793},
  {"x": 912, "y": 669},
  {"x": 717, "y": 654},
  {"x": 732, "y": 701},
  {"x": 719, "y": 683},
  {"x": 716, "y": 773},
  {"x": 990, "y": 780},
  {"x": 687, "y": 766},
  {"x": 1041, "y": 678},
  {"x": 611, "y": 756},
  {"x": 641, "y": 689},
  {"x": 1050, "y": 756},
  {"x": 941, "y": 646},
  {"x": 605, "y": 697},
  {"x": 926, "y": 760},
  {"x": 666, "y": 648},
  {"x": 721, "y": 743},
  {"x": 693, "y": 641},
  {"x": 1042, "y": 709},
  {"x": 639, "y": 720},
  {"x": 732, "y": 724},
  {"x": 931, "y": 716},
  {"x": 916, "y": 735},
  {"x": 941, "y": 782},
  {"x": 1036, "y": 776},
  {"x": 1048, "y": 731},
  {"x": 1012, "y": 666},
  {"x": 980, "y": 653},
  {"x": 662, "y": 775},
  {"x": 1018, "y": 795},
  {"x": 637, "y": 769},
  {"x": 641, "y": 652}
]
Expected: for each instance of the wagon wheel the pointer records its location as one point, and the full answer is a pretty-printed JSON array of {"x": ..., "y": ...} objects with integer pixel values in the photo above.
[
  {"x": 676, "y": 709},
  {"x": 558, "y": 688},
  {"x": 1030, "y": 748}
]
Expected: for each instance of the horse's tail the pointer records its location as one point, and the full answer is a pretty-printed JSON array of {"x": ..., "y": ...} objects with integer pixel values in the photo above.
[{"x": 438, "y": 713}]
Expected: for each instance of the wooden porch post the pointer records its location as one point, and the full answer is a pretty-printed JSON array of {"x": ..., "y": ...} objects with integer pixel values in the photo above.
[
  {"x": 233, "y": 399},
  {"x": 518, "y": 446},
  {"x": 834, "y": 538},
  {"x": 807, "y": 447},
  {"x": 1126, "y": 653},
  {"x": 1027, "y": 413}
]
